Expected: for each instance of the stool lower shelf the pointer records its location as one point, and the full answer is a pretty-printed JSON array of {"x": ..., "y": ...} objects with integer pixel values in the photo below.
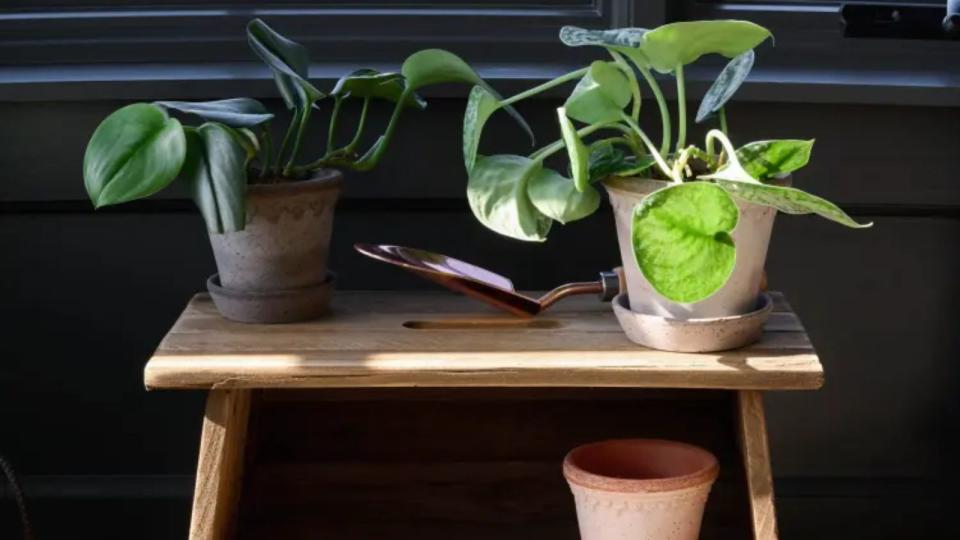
[{"x": 441, "y": 463}]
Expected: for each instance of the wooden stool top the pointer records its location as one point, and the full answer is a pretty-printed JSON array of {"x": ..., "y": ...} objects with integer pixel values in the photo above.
[{"x": 438, "y": 339}]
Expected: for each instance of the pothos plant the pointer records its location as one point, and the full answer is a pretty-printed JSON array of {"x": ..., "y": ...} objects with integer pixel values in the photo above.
[
  {"x": 681, "y": 233},
  {"x": 139, "y": 149}
]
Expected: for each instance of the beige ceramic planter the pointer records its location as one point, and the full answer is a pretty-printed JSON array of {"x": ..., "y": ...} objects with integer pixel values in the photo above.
[
  {"x": 738, "y": 296},
  {"x": 640, "y": 489},
  {"x": 281, "y": 253}
]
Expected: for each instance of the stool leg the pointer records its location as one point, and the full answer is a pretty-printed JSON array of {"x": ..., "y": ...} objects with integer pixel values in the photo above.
[
  {"x": 220, "y": 465},
  {"x": 756, "y": 462}
]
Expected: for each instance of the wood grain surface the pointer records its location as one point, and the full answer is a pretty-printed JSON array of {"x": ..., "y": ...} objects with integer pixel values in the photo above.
[{"x": 403, "y": 339}]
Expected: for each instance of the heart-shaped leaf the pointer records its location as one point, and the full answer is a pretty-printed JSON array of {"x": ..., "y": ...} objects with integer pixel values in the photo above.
[
  {"x": 682, "y": 43},
  {"x": 767, "y": 159},
  {"x": 627, "y": 41},
  {"x": 215, "y": 172},
  {"x": 497, "y": 193},
  {"x": 370, "y": 83},
  {"x": 681, "y": 240},
  {"x": 576, "y": 151},
  {"x": 135, "y": 152},
  {"x": 289, "y": 62},
  {"x": 559, "y": 199},
  {"x": 600, "y": 96},
  {"x": 236, "y": 112},
  {"x": 789, "y": 200},
  {"x": 727, "y": 84},
  {"x": 433, "y": 66},
  {"x": 480, "y": 106}
]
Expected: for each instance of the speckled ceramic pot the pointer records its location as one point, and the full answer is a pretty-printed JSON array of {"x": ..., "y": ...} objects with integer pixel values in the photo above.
[
  {"x": 738, "y": 296},
  {"x": 284, "y": 245},
  {"x": 640, "y": 489}
]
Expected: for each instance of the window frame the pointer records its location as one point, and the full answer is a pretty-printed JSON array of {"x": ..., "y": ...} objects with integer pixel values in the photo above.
[{"x": 176, "y": 54}]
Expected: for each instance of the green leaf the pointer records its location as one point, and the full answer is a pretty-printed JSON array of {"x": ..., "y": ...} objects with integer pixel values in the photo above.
[
  {"x": 766, "y": 159},
  {"x": 215, "y": 172},
  {"x": 236, "y": 112},
  {"x": 789, "y": 200},
  {"x": 606, "y": 159},
  {"x": 576, "y": 151},
  {"x": 682, "y": 43},
  {"x": 681, "y": 239},
  {"x": 497, "y": 193},
  {"x": 558, "y": 198},
  {"x": 289, "y": 62},
  {"x": 480, "y": 106},
  {"x": 573, "y": 36},
  {"x": 135, "y": 152},
  {"x": 433, "y": 66},
  {"x": 600, "y": 96},
  {"x": 370, "y": 83},
  {"x": 727, "y": 84},
  {"x": 627, "y": 41},
  {"x": 248, "y": 140}
]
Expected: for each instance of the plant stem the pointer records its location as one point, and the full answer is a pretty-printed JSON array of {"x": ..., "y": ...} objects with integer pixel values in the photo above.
[
  {"x": 681, "y": 163},
  {"x": 634, "y": 87},
  {"x": 294, "y": 122},
  {"x": 681, "y": 109},
  {"x": 661, "y": 104},
  {"x": 545, "y": 86},
  {"x": 267, "y": 157},
  {"x": 352, "y": 146},
  {"x": 657, "y": 156},
  {"x": 558, "y": 145},
  {"x": 332, "y": 128},
  {"x": 301, "y": 129},
  {"x": 723, "y": 121}
]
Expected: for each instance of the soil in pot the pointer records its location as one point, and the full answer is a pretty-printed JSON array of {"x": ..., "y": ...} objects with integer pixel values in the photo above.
[
  {"x": 284, "y": 246},
  {"x": 640, "y": 489},
  {"x": 738, "y": 296}
]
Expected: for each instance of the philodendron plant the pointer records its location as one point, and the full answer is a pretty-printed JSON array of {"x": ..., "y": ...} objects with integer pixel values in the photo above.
[
  {"x": 139, "y": 149},
  {"x": 681, "y": 234}
]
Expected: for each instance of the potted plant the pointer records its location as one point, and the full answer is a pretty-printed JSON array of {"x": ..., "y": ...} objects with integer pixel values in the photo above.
[
  {"x": 693, "y": 222},
  {"x": 268, "y": 211}
]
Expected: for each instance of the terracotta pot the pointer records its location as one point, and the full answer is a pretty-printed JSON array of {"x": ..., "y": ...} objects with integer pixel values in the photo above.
[
  {"x": 283, "y": 247},
  {"x": 738, "y": 296},
  {"x": 640, "y": 489}
]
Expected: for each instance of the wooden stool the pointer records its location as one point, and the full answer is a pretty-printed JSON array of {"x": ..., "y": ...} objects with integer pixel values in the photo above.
[{"x": 281, "y": 394}]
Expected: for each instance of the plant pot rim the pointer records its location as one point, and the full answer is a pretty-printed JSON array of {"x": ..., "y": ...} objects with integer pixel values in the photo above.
[
  {"x": 591, "y": 466},
  {"x": 643, "y": 185},
  {"x": 634, "y": 184},
  {"x": 320, "y": 180}
]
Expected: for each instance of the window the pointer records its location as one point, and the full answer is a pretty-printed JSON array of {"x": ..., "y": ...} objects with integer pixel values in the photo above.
[
  {"x": 816, "y": 58},
  {"x": 140, "y": 49}
]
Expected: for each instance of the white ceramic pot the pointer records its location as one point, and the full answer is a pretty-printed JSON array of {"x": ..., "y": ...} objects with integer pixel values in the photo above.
[
  {"x": 738, "y": 296},
  {"x": 640, "y": 489}
]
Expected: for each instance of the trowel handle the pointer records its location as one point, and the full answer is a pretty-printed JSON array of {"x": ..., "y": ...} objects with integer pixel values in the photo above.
[{"x": 612, "y": 283}]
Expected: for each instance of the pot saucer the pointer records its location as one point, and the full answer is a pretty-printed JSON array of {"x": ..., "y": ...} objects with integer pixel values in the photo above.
[
  {"x": 272, "y": 307},
  {"x": 692, "y": 335}
]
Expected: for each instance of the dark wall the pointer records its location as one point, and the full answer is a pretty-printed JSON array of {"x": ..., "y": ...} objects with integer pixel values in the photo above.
[{"x": 87, "y": 295}]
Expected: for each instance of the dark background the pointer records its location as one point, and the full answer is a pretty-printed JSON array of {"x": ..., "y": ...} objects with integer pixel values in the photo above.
[{"x": 87, "y": 295}]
